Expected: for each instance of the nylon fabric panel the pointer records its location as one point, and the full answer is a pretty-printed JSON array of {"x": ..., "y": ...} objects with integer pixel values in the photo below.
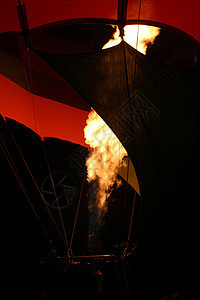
[
  {"x": 14, "y": 69},
  {"x": 150, "y": 115},
  {"x": 46, "y": 117},
  {"x": 49, "y": 84},
  {"x": 16, "y": 103},
  {"x": 31, "y": 73}
]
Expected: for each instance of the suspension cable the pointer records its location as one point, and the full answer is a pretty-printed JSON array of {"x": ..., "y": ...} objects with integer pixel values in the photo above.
[
  {"x": 16, "y": 174},
  {"x": 31, "y": 175},
  {"x": 132, "y": 213},
  {"x": 130, "y": 107},
  {"x": 77, "y": 211},
  {"x": 54, "y": 191},
  {"x": 34, "y": 114}
]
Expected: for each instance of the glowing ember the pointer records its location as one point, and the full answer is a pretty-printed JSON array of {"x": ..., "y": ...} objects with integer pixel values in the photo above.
[
  {"x": 146, "y": 35},
  {"x": 105, "y": 158}
]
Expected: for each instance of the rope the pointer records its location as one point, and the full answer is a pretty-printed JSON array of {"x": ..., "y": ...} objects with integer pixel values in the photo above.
[
  {"x": 130, "y": 107},
  {"x": 131, "y": 222},
  {"x": 54, "y": 190},
  {"x": 30, "y": 173},
  {"x": 128, "y": 296},
  {"x": 128, "y": 92},
  {"x": 15, "y": 172},
  {"x": 119, "y": 281},
  {"x": 77, "y": 211},
  {"x": 31, "y": 88},
  {"x": 34, "y": 114},
  {"x": 126, "y": 71}
]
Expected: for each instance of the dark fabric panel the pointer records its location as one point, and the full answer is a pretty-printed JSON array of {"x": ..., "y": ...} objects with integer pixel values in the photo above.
[
  {"x": 11, "y": 63},
  {"x": 13, "y": 69},
  {"x": 15, "y": 64},
  {"x": 155, "y": 116},
  {"x": 49, "y": 84}
]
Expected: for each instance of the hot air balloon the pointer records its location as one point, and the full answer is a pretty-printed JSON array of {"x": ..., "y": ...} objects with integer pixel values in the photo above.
[{"x": 53, "y": 69}]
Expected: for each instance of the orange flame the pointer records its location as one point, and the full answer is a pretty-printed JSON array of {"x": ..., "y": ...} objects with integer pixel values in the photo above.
[
  {"x": 105, "y": 158},
  {"x": 138, "y": 36}
]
